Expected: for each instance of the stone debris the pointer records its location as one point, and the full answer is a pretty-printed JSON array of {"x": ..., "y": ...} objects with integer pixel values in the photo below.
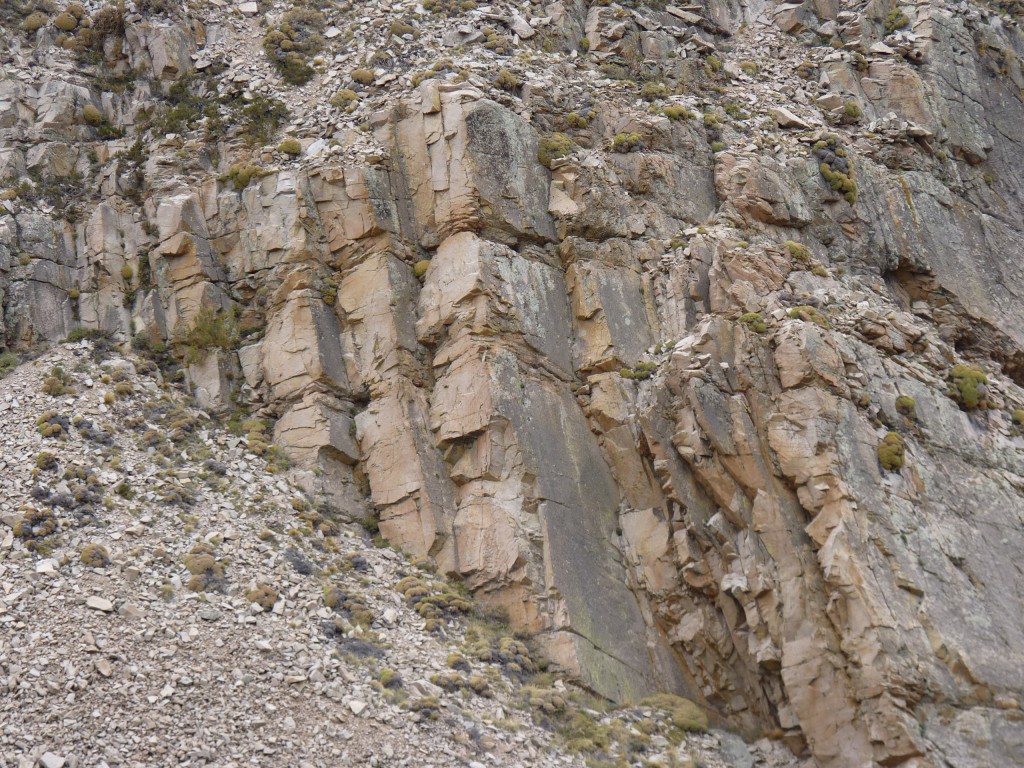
[
  {"x": 685, "y": 337},
  {"x": 99, "y": 604}
]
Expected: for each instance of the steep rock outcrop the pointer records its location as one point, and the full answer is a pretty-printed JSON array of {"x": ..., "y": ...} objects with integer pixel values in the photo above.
[{"x": 631, "y": 397}]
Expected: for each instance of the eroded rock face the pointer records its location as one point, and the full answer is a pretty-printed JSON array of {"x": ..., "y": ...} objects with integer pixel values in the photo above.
[{"x": 633, "y": 398}]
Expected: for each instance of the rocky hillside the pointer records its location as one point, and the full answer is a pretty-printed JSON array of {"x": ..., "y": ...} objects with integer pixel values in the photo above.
[
  {"x": 160, "y": 606},
  {"x": 688, "y": 339}
]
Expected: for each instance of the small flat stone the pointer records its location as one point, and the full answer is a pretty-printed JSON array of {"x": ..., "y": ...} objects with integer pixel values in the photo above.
[
  {"x": 130, "y": 611},
  {"x": 679, "y": 13},
  {"x": 522, "y": 27},
  {"x": 51, "y": 760},
  {"x": 209, "y": 613},
  {"x": 357, "y": 706},
  {"x": 99, "y": 603},
  {"x": 787, "y": 119}
]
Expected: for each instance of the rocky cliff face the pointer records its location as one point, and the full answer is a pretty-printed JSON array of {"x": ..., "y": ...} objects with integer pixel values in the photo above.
[{"x": 689, "y": 338}]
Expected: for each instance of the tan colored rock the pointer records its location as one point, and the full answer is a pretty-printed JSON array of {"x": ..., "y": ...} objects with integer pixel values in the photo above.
[
  {"x": 318, "y": 424},
  {"x": 384, "y": 341},
  {"x": 353, "y": 205},
  {"x": 803, "y": 353},
  {"x": 761, "y": 190},
  {"x": 476, "y": 286},
  {"x": 212, "y": 380},
  {"x": 612, "y": 313},
  {"x": 787, "y": 119},
  {"x": 319, "y": 434},
  {"x": 407, "y": 481},
  {"x": 302, "y": 348},
  {"x": 473, "y": 157},
  {"x": 722, "y": 529}
]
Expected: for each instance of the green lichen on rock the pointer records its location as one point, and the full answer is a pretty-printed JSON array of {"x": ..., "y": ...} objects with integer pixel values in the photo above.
[
  {"x": 552, "y": 147},
  {"x": 754, "y": 322},
  {"x": 94, "y": 556},
  {"x": 642, "y": 370},
  {"x": 684, "y": 715},
  {"x": 840, "y": 182},
  {"x": 798, "y": 251},
  {"x": 891, "y": 452},
  {"x": 263, "y": 595},
  {"x": 905, "y": 406},
  {"x": 895, "y": 19},
  {"x": 809, "y": 314},
  {"x": 967, "y": 386},
  {"x": 627, "y": 142},
  {"x": 290, "y": 147},
  {"x": 677, "y": 112},
  {"x": 290, "y": 45}
]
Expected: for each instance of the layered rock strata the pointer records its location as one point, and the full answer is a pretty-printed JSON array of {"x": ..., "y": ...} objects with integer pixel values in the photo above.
[{"x": 634, "y": 400}]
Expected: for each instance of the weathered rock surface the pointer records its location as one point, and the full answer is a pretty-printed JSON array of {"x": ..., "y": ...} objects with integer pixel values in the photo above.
[
  {"x": 302, "y": 649},
  {"x": 633, "y": 396}
]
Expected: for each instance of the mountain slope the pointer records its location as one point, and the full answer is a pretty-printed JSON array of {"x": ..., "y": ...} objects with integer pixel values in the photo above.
[{"x": 688, "y": 339}]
